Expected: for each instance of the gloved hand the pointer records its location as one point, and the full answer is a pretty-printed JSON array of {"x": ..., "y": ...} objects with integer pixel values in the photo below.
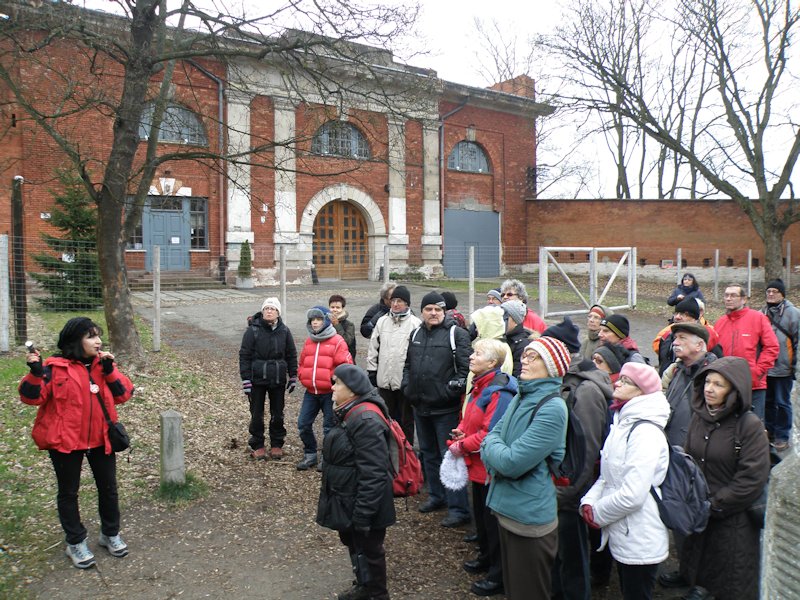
[
  {"x": 291, "y": 384},
  {"x": 373, "y": 377},
  {"x": 247, "y": 387},
  {"x": 456, "y": 449},
  {"x": 588, "y": 516},
  {"x": 37, "y": 370},
  {"x": 108, "y": 364}
]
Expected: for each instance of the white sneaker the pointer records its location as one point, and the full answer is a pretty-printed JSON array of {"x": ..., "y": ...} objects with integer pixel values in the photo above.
[
  {"x": 114, "y": 545},
  {"x": 80, "y": 555}
]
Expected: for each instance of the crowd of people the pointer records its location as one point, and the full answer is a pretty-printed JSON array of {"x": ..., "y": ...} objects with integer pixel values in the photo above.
[{"x": 499, "y": 391}]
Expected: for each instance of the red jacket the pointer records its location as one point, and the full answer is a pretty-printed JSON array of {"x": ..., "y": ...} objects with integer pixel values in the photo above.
[
  {"x": 742, "y": 333},
  {"x": 318, "y": 361},
  {"x": 70, "y": 417},
  {"x": 534, "y": 322}
]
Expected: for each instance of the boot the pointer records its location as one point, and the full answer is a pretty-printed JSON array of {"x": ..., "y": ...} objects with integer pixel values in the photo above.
[{"x": 309, "y": 461}]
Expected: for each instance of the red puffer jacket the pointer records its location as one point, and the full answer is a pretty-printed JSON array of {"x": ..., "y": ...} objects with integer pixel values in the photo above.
[
  {"x": 318, "y": 361},
  {"x": 70, "y": 417},
  {"x": 534, "y": 322},
  {"x": 747, "y": 333}
]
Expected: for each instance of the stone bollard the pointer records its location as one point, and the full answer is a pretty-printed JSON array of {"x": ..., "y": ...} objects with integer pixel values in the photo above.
[
  {"x": 780, "y": 541},
  {"x": 173, "y": 466}
]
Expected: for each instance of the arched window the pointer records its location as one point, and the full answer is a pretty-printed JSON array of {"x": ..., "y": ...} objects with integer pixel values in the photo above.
[
  {"x": 339, "y": 138},
  {"x": 179, "y": 125},
  {"x": 468, "y": 156}
]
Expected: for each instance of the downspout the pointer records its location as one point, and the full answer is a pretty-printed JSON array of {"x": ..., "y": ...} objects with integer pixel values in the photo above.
[
  {"x": 220, "y": 143},
  {"x": 441, "y": 166}
]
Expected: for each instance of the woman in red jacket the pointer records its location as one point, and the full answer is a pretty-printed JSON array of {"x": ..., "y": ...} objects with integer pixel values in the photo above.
[
  {"x": 491, "y": 393},
  {"x": 70, "y": 424}
]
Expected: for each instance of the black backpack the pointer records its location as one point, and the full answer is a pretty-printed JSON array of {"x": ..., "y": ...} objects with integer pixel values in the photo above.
[
  {"x": 571, "y": 466},
  {"x": 683, "y": 506}
]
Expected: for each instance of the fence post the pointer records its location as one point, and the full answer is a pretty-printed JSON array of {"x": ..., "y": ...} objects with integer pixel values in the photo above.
[
  {"x": 633, "y": 295},
  {"x": 749, "y": 272},
  {"x": 716, "y": 275},
  {"x": 386, "y": 263},
  {"x": 173, "y": 465},
  {"x": 18, "y": 251},
  {"x": 542, "y": 281},
  {"x": 4, "y": 295},
  {"x": 678, "y": 267},
  {"x": 156, "y": 298},
  {"x": 788, "y": 265},
  {"x": 284, "y": 306},
  {"x": 471, "y": 280},
  {"x": 593, "y": 277}
]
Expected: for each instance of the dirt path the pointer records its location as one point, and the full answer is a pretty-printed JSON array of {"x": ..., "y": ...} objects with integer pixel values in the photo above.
[{"x": 254, "y": 535}]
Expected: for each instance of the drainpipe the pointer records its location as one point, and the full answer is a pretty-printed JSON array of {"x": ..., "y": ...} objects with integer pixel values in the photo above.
[
  {"x": 220, "y": 143},
  {"x": 441, "y": 166}
]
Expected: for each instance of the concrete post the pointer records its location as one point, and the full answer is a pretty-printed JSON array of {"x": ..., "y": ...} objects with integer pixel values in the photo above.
[{"x": 173, "y": 465}]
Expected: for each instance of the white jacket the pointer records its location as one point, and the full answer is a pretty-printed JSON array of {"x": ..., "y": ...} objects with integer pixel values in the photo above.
[
  {"x": 388, "y": 346},
  {"x": 620, "y": 498}
]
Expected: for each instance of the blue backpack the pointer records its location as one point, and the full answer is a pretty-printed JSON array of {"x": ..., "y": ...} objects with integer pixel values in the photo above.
[{"x": 683, "y": 506}]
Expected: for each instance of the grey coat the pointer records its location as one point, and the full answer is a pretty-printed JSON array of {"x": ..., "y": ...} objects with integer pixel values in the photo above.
[{"x": 787, "y": 316}]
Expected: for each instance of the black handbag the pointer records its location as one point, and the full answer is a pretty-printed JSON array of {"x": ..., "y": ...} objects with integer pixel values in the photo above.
[{"x": 117, "y": 435}]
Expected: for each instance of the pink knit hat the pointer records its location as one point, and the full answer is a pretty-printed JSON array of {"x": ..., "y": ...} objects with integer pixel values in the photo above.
[
  {"x": 643, "y": 376},
  {"x": 554, "y": 353}
]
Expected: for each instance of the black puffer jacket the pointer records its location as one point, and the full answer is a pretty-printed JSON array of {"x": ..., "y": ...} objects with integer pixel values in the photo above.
[
  {"x": 429, "y": 367},
  {"x": 374, "y": 312},
  {"x": 518, "y": 339},
  {"x": 267, "y": 353},
  {"x": 356, "y": 470}
]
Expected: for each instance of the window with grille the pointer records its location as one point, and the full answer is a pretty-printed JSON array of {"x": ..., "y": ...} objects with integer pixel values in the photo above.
[
  {"x": 338, "y": 138},
  {"x": 469, "y": 157},
  {"x": 179, "y": 125},
  {"x": 198, "y": 221}
]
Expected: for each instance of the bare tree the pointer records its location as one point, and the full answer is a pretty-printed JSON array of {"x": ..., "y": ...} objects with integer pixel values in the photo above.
[
  {"x": 743, "y": 138},
  {"x": 149, "y": 48}
]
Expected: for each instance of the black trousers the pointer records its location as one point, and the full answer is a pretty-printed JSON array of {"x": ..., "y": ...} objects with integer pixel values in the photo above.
[
  {"x": 68, "y": 475},
  {"x": 277, "y": 431},
  {"x": 370, "y": 546},
  {"x": 400, "y": 410},
  {"x": 637, "y": 581},
  {"x": 571, "y": 579},
  {"x": 488, "y": 531},
  {"x": 527, "y": 564}
]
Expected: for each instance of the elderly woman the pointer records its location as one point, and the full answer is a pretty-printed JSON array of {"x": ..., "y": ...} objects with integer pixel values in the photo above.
[
  {"x": 515, "y": 453},
  {"x": 492, "y": 391},
  {"x": 729, "y": 443},
  {"x": 356, "y": 497},
  {"x": 632, "y": 460}
]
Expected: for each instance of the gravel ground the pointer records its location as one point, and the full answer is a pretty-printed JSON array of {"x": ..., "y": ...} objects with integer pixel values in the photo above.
[{"x": 254, "y": 535}]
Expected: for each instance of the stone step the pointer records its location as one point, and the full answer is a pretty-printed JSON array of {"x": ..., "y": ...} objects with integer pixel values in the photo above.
[{"x": 174, "y": 281}]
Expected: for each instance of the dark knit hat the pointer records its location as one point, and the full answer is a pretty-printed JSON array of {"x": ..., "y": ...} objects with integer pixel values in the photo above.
[
  {"x": 515, "y": 309},
  {"x": 607, "y": 353},
  {"x": 401, "y": 292},
  {"x": 319, "y": 312},
  {"x": 432, "y": 298},
  {"x": 778, "y": 285},
  {"x": 495, "y": 293},
  {"x": 450, "y": 300},
  {"x": 618, "y": 325},
  {"x": 688, "y": 306},
  {"x": 355, "y": 378},
  {"x": 567, "y": 332},
  {"x": 554, "y": 353},
  {"x": 693, "y": 328}
]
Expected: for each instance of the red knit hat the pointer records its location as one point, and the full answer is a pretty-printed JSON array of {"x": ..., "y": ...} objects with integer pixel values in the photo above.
[{"x": 554, "y": 353}]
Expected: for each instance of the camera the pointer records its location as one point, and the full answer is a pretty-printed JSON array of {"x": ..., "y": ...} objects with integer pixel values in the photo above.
[{"x": 457, "y": 384}]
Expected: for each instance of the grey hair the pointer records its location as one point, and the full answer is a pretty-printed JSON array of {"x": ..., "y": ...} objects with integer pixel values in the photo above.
[
  {"x": 517, "y": 286},
  {"x": 387, "y": 288},
  {"x": 493, "y": 349}
]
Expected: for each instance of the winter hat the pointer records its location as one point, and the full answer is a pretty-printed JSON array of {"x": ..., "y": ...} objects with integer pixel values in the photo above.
[
  {"x": 401, "y": 292},
  {"x": 688, "y": 306},
  {"x": 515, "y": 309},
  {"x": 567, "y": 332},
  {"x": 618, "y": 325},
  {"x": 355, "y": 378},
  {"x": 778, "y": 285},
  {"x": 272, "y": 302},
  {"x": 432, "y": 298},
  {"x": 600, "y": 310},
  {"x": 608, "y": 355},
  {"x": 494, "y": 293},
  {"x": 643, "y": 376},
  {"x": 450, "y": 300},
  {"x": 453, "y": 472},
  {"x": 554, "y": 353},
  {"x": 319, "y": 312},
  {"x": 693, "y": 328}
]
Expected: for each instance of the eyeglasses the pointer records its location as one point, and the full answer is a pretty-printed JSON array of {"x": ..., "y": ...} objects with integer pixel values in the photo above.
[
  {"x": 530, "y": 356},
  {"x": 269, "y": 308},
  {"x": 508, "y": 294},
  {"x": 626, "y": 381}
]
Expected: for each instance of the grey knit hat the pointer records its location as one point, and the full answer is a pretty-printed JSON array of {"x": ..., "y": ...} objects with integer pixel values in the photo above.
[{"x": 515, "y": 309}]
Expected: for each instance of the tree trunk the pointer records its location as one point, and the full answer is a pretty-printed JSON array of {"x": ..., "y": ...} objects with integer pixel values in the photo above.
[{"x": 773, "y": 252}]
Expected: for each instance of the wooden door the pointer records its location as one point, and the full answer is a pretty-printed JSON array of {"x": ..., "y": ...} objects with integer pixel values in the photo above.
[{"x": 340, "y": 242}]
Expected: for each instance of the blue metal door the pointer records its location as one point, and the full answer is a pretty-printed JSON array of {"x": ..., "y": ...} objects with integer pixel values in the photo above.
[
  {"x": 166, "y": 224},
  {"x": 465, "y": 228}
]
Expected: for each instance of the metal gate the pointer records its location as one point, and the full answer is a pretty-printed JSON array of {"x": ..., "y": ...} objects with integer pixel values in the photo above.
[{"x": 546, "y": 258}]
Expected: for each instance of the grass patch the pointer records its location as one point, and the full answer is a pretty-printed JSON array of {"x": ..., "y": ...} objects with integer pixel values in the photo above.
[{"x": 182, "y": 493}]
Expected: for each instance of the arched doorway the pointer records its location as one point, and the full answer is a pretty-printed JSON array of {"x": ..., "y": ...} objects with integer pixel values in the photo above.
[{"x": 340, "y": 242}]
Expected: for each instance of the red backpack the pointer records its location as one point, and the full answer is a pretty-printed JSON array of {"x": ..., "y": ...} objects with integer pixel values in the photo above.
[{"x": 406, "y": 469}]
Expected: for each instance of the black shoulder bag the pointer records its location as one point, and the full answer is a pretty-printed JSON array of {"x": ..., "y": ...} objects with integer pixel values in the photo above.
[{"x": 117, "y": 436}]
